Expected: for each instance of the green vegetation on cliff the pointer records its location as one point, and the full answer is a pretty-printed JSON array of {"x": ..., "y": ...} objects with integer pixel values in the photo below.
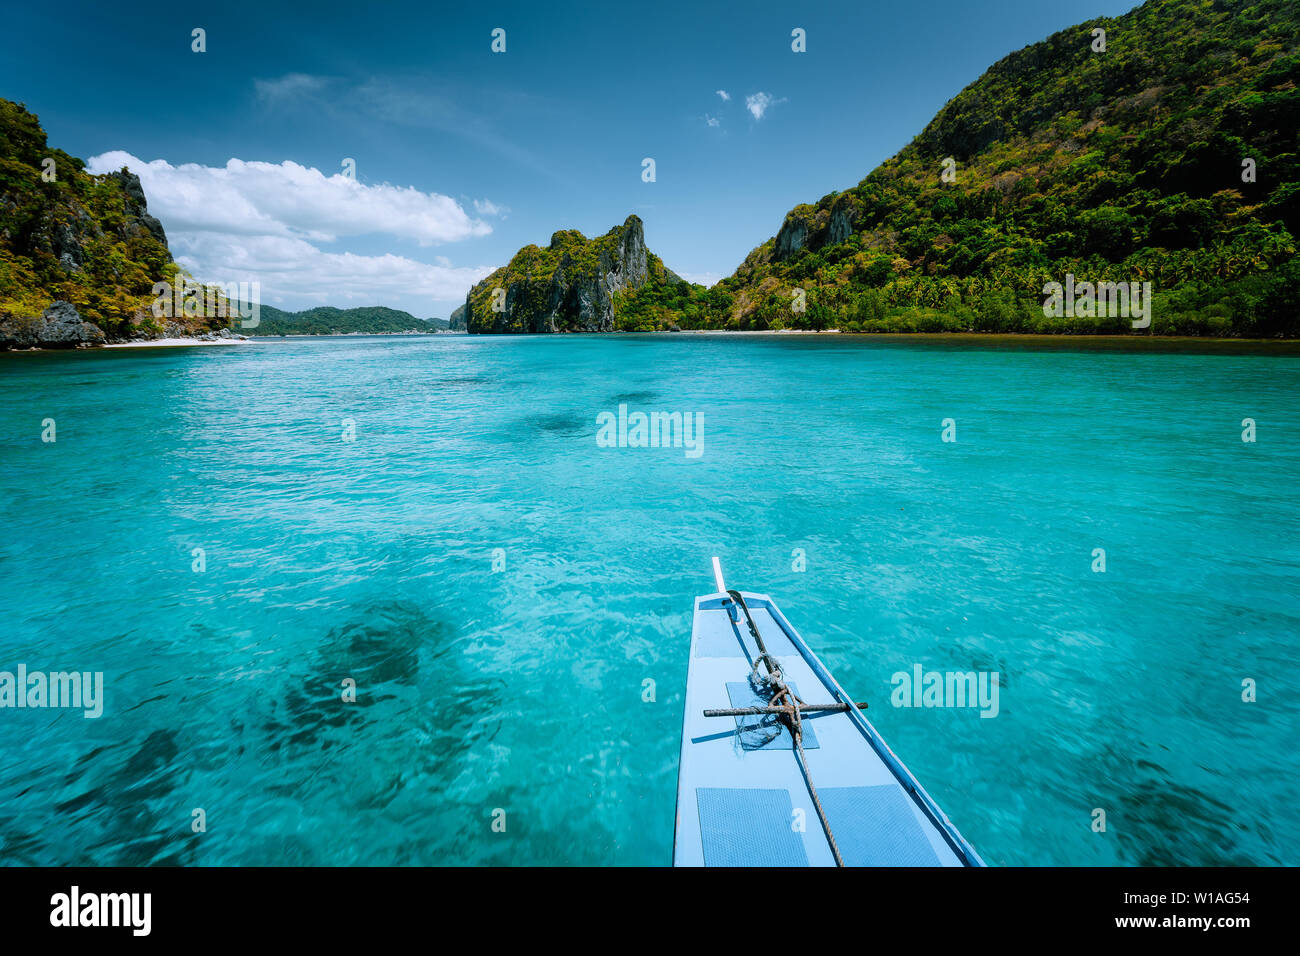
[
  {"x": 326, "y": 320},
  {"x": 68, "y": 235},
  {"x": 577, "y": 284},
  {"x": 1124, "y": 165}
]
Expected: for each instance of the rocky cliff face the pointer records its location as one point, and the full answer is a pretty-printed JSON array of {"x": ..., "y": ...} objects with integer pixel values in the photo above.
[
  {"x": 456, "y": 323},
  {"x": 135, "y": 207},
  {"x": 58, "y": 327},
  {"x": 573, "y": 285},
  {"x": 69, "y": 237},
  {"x": 809, "y": 227},
  {"x": 64, "y": 230}
]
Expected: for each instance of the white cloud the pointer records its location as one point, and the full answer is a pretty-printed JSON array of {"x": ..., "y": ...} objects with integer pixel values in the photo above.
[
  {"x": 257, "y": 198},
  {"x": 711, "y": 120},
  {"x": 486, "y": 207},
  {"x": 255, "y": 221},
  {"x": 757, "y": 103},
  {"x": 726, "y": 97},
  {"x": 287, "y": 87},
  {"x": 293, "y": 270},
  {"x": 703, "y": 278}
]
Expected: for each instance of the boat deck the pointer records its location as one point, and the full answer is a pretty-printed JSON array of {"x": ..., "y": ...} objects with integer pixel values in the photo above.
[{"x": 742, "y": 799}]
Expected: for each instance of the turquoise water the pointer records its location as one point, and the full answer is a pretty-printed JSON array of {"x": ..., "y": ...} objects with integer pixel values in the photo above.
[{"x": 521, "y": 689}]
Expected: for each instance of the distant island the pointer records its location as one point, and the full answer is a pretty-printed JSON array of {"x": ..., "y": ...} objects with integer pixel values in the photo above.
[
  {"x": 576, "y": 284},
  {"x": 325, "y": 320}
]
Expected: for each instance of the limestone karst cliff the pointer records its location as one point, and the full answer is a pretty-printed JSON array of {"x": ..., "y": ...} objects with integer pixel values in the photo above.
[{"x": 575, "y": 284}]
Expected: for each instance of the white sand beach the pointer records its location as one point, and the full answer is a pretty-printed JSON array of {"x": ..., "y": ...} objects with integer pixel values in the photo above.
[{"x": 175, "y": 343}]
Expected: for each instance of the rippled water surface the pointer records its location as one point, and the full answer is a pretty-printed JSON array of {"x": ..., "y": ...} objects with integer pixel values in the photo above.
[{"x": 521, "y": 689}]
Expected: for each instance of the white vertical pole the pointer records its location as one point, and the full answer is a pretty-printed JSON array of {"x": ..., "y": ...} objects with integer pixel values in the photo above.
[{"x": 717, "y": 575}]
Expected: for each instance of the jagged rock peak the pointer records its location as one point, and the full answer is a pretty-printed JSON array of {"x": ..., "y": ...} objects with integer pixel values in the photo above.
[{"x": 572, "y": 285}]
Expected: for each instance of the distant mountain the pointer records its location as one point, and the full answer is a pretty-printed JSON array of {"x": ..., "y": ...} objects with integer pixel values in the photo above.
[
  {"x": 457, "y": 320},
  {"x": 325, "y": 320},
  {"x": 578, "y": 284},
  {"x": 1173, "y": 156}
]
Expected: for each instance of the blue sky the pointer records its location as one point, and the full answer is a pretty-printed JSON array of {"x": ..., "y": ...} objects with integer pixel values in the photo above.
[{"x": 463, "y": 155}]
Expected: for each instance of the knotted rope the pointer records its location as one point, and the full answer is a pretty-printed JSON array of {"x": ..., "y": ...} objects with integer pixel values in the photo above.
[{"x": 789, "y": 709}]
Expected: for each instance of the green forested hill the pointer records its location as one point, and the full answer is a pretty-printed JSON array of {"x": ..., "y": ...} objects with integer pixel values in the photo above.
[
  {"x": 326, "y": 320},
  {"x": 65, "y": 234},
  {"x": 1122, "y": 165}
]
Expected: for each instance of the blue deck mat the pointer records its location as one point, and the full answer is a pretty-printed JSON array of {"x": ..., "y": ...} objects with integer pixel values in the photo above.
[
  {"x": 754, "y": 735},
  {"x": 748, "y": 828},
  {"x": 723, "y": 641},
  {"x": 875, "y": 826}
]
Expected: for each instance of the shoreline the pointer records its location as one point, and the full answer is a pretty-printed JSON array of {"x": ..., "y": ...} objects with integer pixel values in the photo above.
[
  {"x": 1101, "y": 343},
  {"x": 1040, "y": 341},
  {"x": 1043, "y": 342},
  {"x": 343, "y": 335},
  {"x": 137, "y": 344},
  {"x": 163, "y": 344},
  {"x": 754, "y": 332}
]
